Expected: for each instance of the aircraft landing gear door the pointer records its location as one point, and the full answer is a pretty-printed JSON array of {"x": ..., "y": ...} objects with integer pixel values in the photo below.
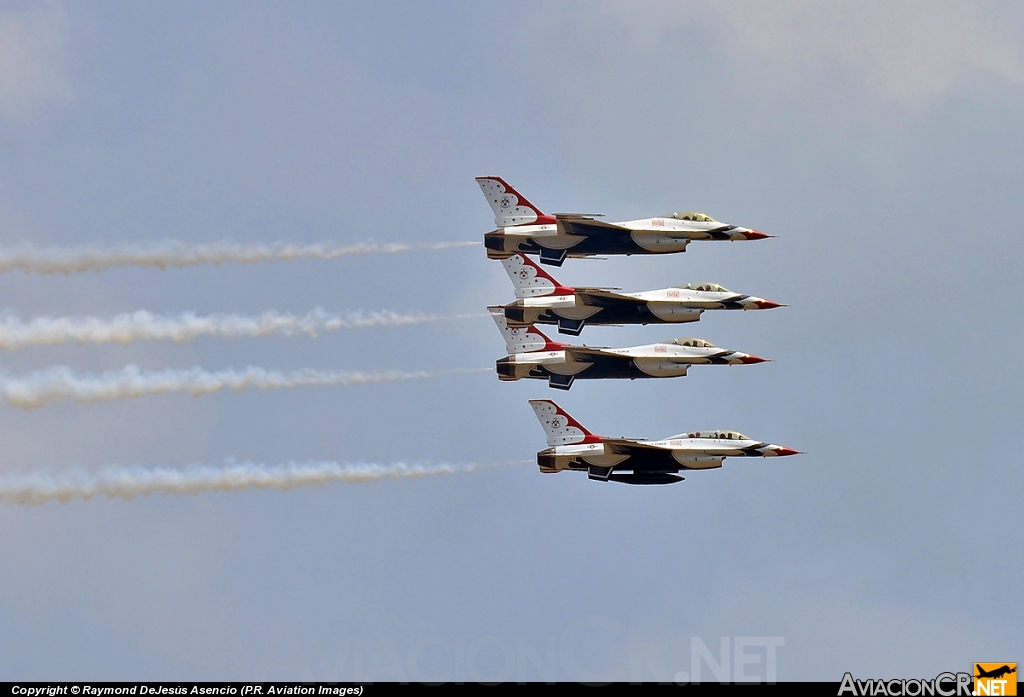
[
  {"x": 561, "y": 382},
  {"x": 554, "y": 257},
  {"x": 570, "y": 326}
]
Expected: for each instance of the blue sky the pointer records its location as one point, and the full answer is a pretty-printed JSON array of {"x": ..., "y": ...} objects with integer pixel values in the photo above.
[{"x": 882, "y": 145}]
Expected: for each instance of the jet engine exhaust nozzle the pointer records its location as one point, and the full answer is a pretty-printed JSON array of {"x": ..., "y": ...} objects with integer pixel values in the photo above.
[{"x": 505, "y": 368}]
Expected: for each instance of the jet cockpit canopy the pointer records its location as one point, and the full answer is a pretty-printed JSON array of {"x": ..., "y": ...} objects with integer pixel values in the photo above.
[
  {"x": 711, "y": 287},
  {"x": 696, "y": 343},
  {"x": 722, "y": 435},
  {"x": 694, "y": 216}
]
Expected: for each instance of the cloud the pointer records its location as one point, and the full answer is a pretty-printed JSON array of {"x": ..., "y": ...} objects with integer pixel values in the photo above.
[
  {"x": 905, "y": 52},
  {"x": 33, "y": 58}
]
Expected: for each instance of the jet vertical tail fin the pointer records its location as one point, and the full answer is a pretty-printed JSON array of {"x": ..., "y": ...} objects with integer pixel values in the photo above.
[
  {"x": 560, "y": 428},
  {"x": 522, "y": 339},
  {"x": 509, "y": 206},
  {"x": 530, "y": 280}
]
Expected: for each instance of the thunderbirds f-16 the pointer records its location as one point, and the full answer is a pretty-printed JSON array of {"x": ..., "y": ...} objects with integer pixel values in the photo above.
[
  {"x": 634, "y": 461},
  {"x": 543, "y": 300},
  {"x": 533, "y": 355},
  {"x": 522, "y": 227}
]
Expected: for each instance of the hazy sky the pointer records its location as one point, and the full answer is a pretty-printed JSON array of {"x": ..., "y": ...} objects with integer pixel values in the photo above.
[{"x": 882, "y": 144}]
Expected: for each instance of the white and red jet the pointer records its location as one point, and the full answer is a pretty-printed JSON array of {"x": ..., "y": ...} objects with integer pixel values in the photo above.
[
  {"x": 533, "y": 355},
  {"x": 543, "y": 300},
  {"x": 522, "y": 227},
  {"x": 636, "y": 461}
]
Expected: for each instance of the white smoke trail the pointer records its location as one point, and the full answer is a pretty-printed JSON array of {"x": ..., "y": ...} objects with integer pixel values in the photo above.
[
  {"x": 35, "y": 488},
  {"x": 145, "y": 326},
  {"x": 60, "y": 382},
  {"x": 161, "y": 255}
]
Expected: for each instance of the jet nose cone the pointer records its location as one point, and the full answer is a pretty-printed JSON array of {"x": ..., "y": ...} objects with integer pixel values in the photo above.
[
  {"x": 768, "y": 304},
  {"x": 753, "y": 359},
  {"x": 756, "y": 235},
  {"x": 782, "y": 452}
]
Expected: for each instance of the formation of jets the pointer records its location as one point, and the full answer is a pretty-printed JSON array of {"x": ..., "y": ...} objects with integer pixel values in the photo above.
[{"x": 523, "y": 230}]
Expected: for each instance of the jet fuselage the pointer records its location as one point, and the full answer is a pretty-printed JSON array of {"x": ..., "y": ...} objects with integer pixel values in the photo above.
[
  {"x": 543, "y": 300},
  {"x": 523, "y": 228},
  {"x": 562, "y": 366},
  {"x": 571, "y": 312},
  {"x": 635, "y": 461},
  {"x": 533, "y": 355},
  {"x": 582, "y": 237},
  {"x": 666, "y": 457}
]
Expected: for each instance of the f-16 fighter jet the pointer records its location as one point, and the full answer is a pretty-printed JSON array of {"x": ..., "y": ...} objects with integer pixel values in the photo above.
[
  {"x": 635, "y": 461},
  {"x": 523, "y": 228},
  {"x": 543, "y": 300},
  {"x": 533, "y": 355}
]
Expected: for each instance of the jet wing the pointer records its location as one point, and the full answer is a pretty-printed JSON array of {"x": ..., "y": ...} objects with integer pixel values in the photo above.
[
  {"x": 607, "y": 294},
  {"x": 585, "y": 354},
  {"x": 586, "y": 227},
  {"x": 622, "y": 446}
]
